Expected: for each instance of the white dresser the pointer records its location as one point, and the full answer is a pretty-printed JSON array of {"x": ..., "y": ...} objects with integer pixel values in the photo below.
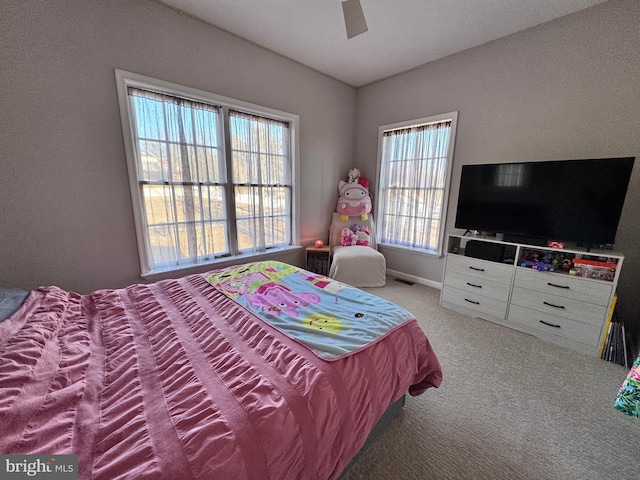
[
  {"x": 558, "y": 306},
  {"x": 477, "y": 286}
]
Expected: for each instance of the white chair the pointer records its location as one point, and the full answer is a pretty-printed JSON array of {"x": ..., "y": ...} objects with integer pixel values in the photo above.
[{"x": 356, "y": 265}]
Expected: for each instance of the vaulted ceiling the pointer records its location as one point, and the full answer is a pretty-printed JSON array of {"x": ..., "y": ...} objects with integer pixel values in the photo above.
[{"x": 402, "y": 34}]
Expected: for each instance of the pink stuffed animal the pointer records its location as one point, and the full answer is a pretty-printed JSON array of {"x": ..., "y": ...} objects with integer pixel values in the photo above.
[
  {"x": 348, "y": 237},
  {"x": 354, "y": 200},
  {"x": 363, "y": 235}
]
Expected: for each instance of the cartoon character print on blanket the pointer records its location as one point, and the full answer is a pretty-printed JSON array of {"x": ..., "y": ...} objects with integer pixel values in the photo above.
[
  {"x": 332, "y": 319},
  {"x": 261, "y": 290}
]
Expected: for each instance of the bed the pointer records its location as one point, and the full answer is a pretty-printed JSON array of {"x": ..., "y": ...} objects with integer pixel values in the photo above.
[{"x": 255, "y": 371}]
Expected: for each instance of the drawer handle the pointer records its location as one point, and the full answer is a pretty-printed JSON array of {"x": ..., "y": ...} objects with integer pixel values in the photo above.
[
  {"x": 552, "y": 305},
  {"x": 472, "y": 301},
  {"x": 477, "y": 269},
  {"x": 550, "y": 324},
  {"x": 474, "y": 285},
  {"x": 558, "y": 286}
]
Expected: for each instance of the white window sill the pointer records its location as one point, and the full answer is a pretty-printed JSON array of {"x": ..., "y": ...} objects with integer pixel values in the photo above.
[
  {"x": 217, "y": 263},
  {"x": 401, "y": 248}
]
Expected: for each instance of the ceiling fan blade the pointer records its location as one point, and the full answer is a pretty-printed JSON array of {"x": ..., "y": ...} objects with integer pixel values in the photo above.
[{"x": 354, "y": 18}]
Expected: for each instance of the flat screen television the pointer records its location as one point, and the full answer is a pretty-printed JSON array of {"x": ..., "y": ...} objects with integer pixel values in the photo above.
[{"x": 534, "y": 202}]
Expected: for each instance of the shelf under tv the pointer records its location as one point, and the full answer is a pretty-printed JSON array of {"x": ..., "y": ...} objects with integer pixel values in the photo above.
[{"x": 529, "y": 288}]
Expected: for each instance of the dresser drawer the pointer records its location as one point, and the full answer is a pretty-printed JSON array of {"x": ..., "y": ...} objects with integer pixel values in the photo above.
[
  {"x": 566, "y": 286},
  {"x": 473, "y": 303},
  {"x": 559, "y": 306},
  {"x": 555, "y": 325},
  {"x": 480, "y": 268},
  {"x": 477, "y": 285}
]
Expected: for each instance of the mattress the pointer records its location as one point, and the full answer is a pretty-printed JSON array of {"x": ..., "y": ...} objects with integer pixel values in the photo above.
[{"x": 179, "y": 379}]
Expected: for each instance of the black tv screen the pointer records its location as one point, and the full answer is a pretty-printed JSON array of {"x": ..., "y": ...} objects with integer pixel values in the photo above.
[{"x": 567, "y": 200}]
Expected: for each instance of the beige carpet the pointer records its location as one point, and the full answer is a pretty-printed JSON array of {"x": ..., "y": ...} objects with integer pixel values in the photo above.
[{"x": 510, "y": 407}]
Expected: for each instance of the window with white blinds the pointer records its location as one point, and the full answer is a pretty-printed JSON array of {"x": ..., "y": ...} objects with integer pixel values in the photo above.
[
  {"x": 209, "y": 180},
  {"x": 414, "y": 174}
]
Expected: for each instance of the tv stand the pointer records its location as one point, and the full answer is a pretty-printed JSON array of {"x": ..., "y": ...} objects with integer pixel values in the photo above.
[{"x": 560, "y": 295}]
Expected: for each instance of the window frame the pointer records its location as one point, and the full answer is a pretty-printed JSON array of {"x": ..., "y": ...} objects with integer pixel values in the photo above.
[
  {"x": 450, "y": 116},
  {"x": 124, "y": 80}
]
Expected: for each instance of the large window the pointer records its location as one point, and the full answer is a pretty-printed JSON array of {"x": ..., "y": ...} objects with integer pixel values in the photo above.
[
  {"x": 210, "y": 177},
  {"x": 414, "y": 172}
]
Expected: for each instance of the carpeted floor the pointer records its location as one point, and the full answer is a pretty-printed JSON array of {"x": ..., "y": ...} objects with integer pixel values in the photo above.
[{"x": 510, "y": 407}]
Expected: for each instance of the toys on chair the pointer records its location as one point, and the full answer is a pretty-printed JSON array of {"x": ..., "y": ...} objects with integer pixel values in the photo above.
[
  {"x": 348, "y": 237},
  {"x": 363, "y": 235},
  {"x": 354, "y": 198},
  {"x": 356, "y": 235}
]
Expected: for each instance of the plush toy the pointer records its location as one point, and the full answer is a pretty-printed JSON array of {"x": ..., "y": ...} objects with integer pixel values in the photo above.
[
  {"x": 354, "y": 175},
  {"x": 354, "y": 198},
  {"x": 362, "y": 233},
  {"x": 364, "y": 237},
  {"x": 348, "y": 237}
]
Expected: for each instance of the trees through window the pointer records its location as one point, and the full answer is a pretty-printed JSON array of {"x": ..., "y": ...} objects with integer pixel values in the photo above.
[
  {"x": 415, "y": 169},
  {"x": 209, "y": 178}
]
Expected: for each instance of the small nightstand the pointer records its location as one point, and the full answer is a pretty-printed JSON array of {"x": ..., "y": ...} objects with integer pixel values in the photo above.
[{"x": 319, "y": 259}]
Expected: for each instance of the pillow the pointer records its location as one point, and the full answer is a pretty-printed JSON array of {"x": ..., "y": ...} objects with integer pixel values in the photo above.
[{"x": 10, "y": 301}]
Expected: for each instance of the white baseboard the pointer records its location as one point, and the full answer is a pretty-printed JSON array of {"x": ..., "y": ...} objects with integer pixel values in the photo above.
[{"x": 414, "y": 279}]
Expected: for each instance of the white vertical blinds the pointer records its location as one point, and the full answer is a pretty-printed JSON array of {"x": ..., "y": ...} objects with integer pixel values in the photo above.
[{"x": 413, "y": 179}]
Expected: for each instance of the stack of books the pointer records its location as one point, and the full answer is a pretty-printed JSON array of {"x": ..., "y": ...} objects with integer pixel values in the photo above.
[{"x": 613, "y": 347}]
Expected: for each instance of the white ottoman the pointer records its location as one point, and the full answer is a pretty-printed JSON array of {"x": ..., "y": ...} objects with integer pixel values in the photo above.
[{"x": 358, "y": 266}]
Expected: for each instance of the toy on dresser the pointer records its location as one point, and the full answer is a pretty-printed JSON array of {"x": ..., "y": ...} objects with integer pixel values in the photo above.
[
  {"x": 601, "y": 268},
  {"x": 537, "y": 260}
]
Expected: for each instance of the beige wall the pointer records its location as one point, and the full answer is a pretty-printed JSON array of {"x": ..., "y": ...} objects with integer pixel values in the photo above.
[
  {"x": 564, "y": 90},
  {"x": 66, "y": 215}
]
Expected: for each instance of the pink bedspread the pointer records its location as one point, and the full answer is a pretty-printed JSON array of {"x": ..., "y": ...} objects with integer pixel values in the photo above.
[{"x": 175, "y": 380}]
